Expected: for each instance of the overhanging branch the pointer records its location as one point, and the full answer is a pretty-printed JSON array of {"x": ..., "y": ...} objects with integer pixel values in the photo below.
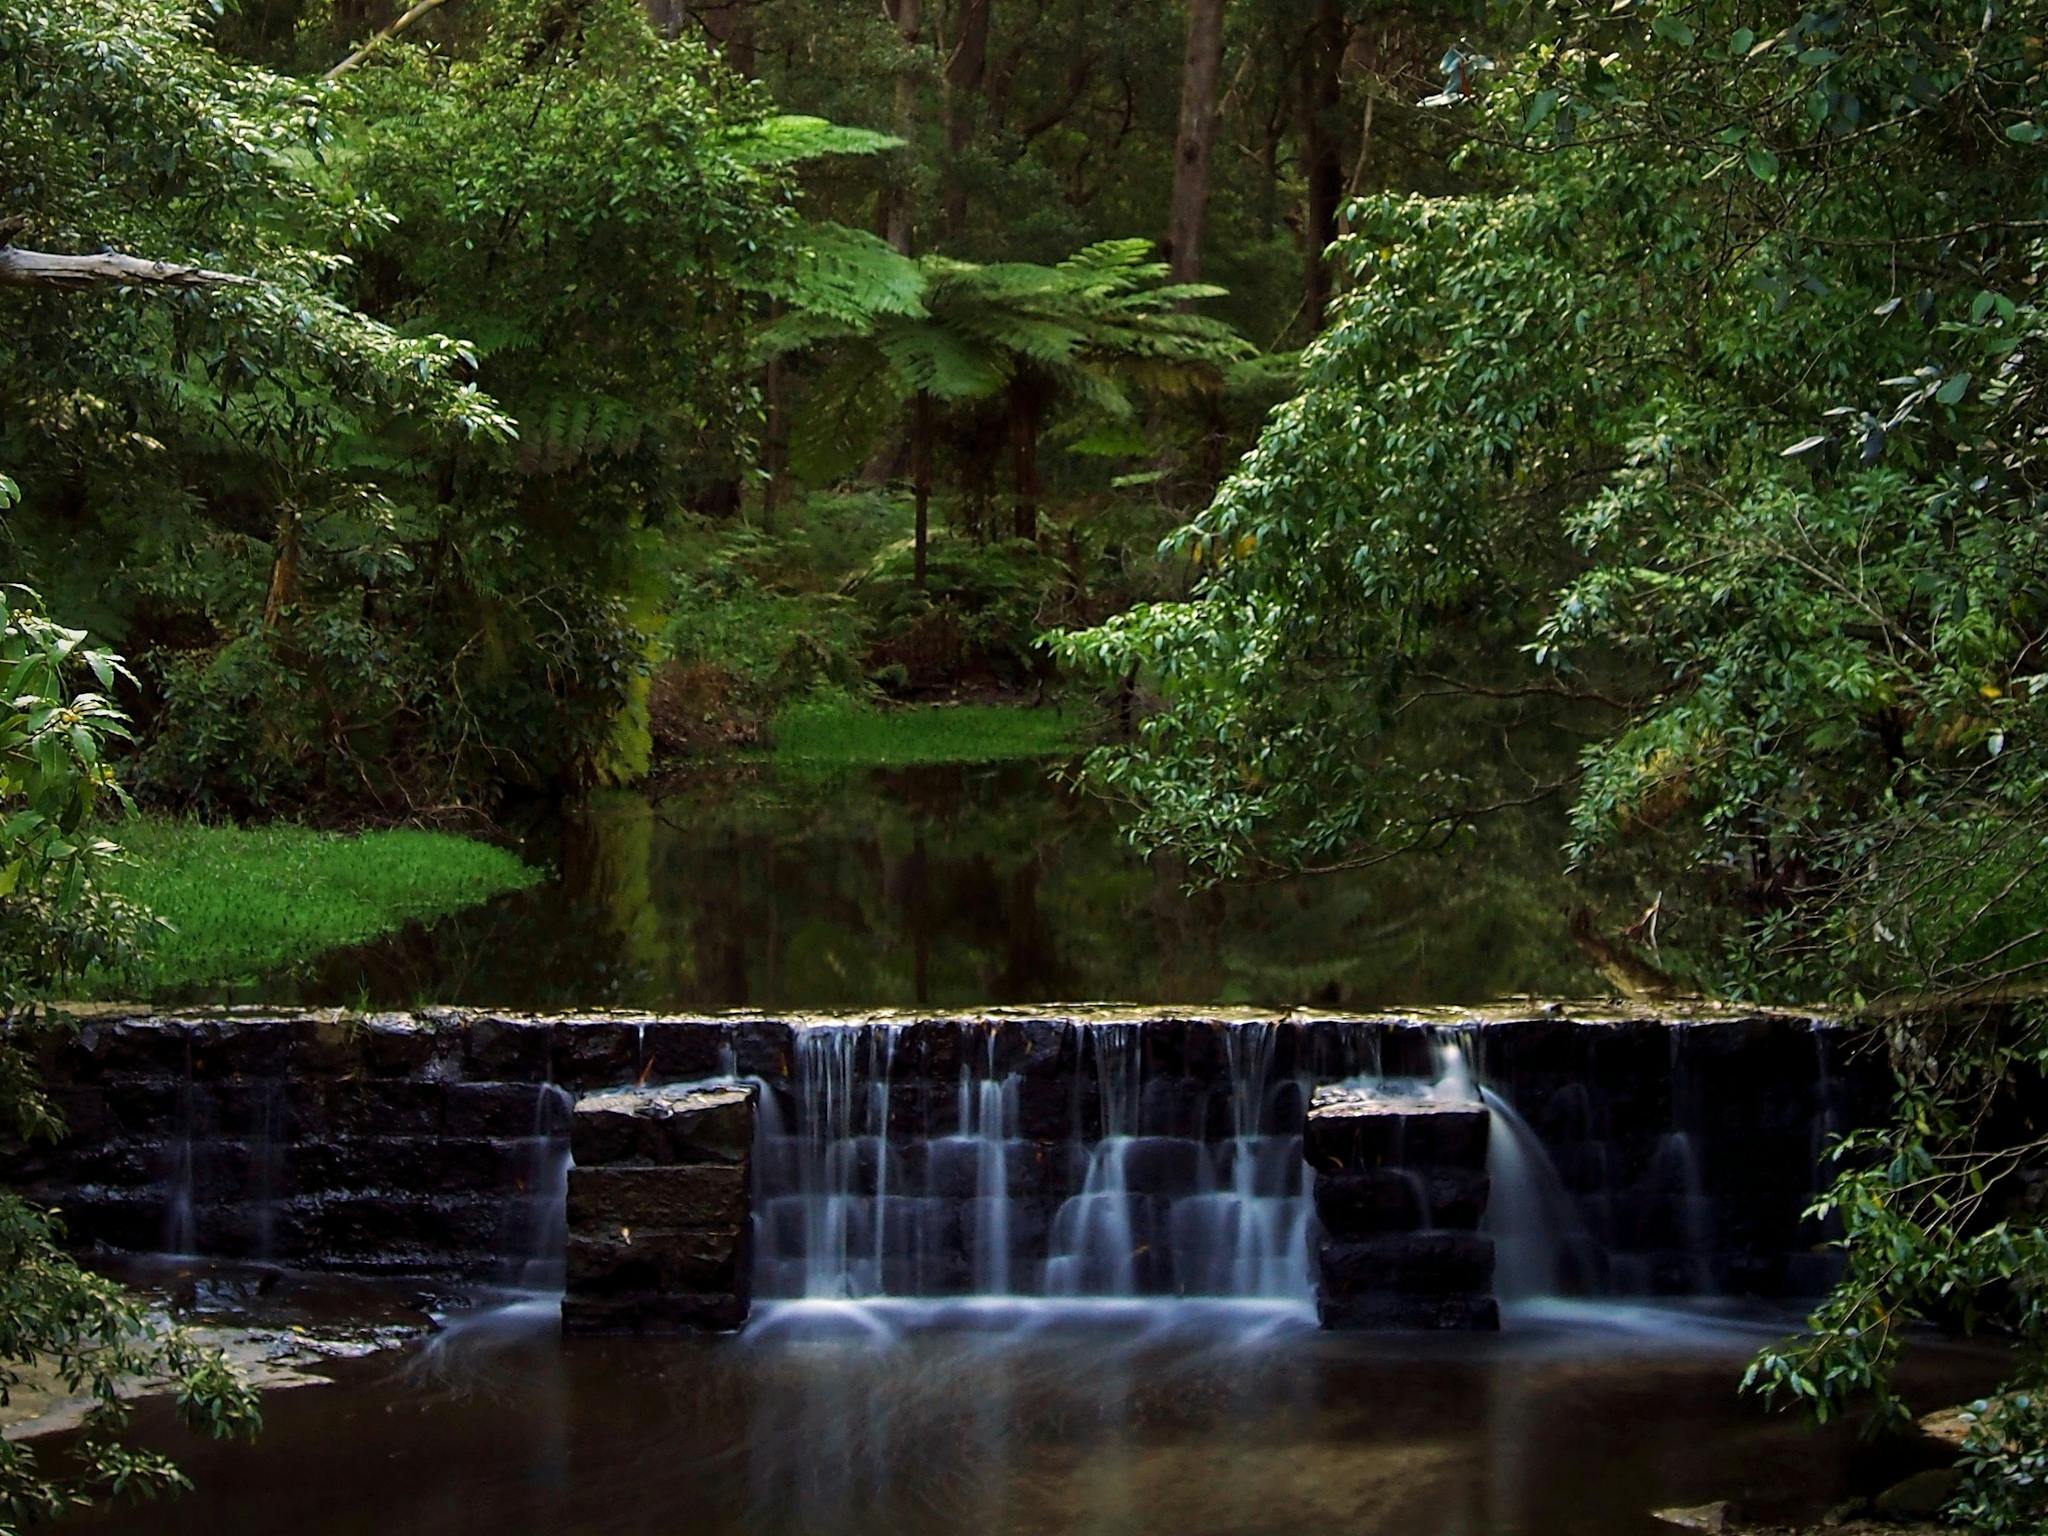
[
  {"x": 381, "y": 38},
  {"x": 47, "y": 269}
]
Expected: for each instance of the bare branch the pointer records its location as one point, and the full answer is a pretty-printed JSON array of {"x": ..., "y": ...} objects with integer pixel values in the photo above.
[
  {"x": 45, "y": 269},
  {"x": 381, "y": 38}
]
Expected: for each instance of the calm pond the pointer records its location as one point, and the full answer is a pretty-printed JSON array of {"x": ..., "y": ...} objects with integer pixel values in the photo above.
[
  {"x": 1139, "y": 1420},
  {"x": 954, "y": 886}
]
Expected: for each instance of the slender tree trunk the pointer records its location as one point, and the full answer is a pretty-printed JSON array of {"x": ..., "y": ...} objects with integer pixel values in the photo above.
[
  {"x": 1200, "y": 71},
  {"x": 665, "y": 16},
  {"x": 356, "y": 18},
  {"x": 284, "y": 568},
  {"x": 966, "y": 69},
  {"x": 921, "y": 431},
  {"x": 899, "y": 209},
  {"x": 774, "y": 435},
  {"x": 729, "y": 26},
  {"x": 1322, "y": 150},
  {"x": 1024, "y": 410}
]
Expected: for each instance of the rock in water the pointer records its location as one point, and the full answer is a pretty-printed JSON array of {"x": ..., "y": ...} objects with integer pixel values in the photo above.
[
  {"x": 1700, "y": 1517},
  {"x": 1919, "y": 1497}
]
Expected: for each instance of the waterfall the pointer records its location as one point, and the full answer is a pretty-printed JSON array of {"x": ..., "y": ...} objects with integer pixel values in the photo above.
[
  {"x": 537, "y": 1221},
  {"x": 880, "y": 1177},
  {"x": 1531, "y": 1216},
  {"x": 1540, "y": 1241},
  {"x": 180, "y": 1215},
  {"x": 266, "y": 1156}
]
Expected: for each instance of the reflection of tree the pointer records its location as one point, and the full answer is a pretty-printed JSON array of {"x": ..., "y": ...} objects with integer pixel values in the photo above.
[{"x": 955, "y": 886}]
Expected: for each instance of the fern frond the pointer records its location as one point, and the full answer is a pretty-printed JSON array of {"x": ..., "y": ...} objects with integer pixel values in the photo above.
[
  {"x": 942, "y": 362},
  {"x": 792, "y": 139},
  {"x": 851, "y": 276}
]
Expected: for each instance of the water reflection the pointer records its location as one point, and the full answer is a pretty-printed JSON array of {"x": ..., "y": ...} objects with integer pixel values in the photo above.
[
  {"x": 1123, "y": 1420},
  {"x": 952, "y": 887}
]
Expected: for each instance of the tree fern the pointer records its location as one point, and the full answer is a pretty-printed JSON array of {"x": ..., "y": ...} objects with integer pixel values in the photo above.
[{"x": 791, "y": 140}]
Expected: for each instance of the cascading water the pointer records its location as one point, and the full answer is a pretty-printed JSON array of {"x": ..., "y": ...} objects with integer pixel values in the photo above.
[
  {"x": 1536, "y": 1228},
  {"x": 1541, "y": 1245},
  {"x": 180, "y": 1214},
  {"x": 536, "y": 1221},
  {"x": 1130, "y": 1181}
]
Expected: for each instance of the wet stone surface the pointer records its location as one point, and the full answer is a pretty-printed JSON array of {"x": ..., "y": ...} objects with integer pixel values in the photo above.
[
  {"x": 1400, "y": 1185},
  {"x": 660, "y": 1210}
]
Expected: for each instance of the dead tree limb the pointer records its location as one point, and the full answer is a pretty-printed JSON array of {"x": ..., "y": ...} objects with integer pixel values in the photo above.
[
  {"x": 382, "y": 37},
  {"x": 46, "y": 269}
]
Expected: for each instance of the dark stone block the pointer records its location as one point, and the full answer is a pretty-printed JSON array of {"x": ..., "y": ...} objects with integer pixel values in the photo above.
[
  {"x": 1382, "y": 1127},
  {"x": 1400, "y": 1200},
  {"x": 654, "y": 1313},
  {"x": 953, "y": 1168},
  {"x": 762, "y": 1048},
  {"x": 173, "y": 1108},
  {"x": 597, "y": 1052},
  {"x": 1048, "y": 1048},
  {"x": 326, "y": 1110},
  {"x": 649, "y": 1261},
  {"x": 922, "y": 1050},
  {"x": 1409, "y": 1263},
  {"x": 1054, "y": 1109},
  {"x": 347, "y": 1228},
  {"x": 403, "y": 1045},
  {"x": 664, "y": 1125},
  {"x": 1408, "y": 1050},
  {"x": 502, "y": 1110},
  {"x": 507, "y": 1050},
  {"x": 704, "y": 1195},
  {"x": 1160, "y": 1165},
  {"x": 327, "y": 1045},
  {"x": 1379, "y": 1310},
  {"x": 146, "y": 1047},
  {"x": 83, "y": 1110},
  {"x": 680, "y": 1049},
  {"x": 1171, "y": 1106}
]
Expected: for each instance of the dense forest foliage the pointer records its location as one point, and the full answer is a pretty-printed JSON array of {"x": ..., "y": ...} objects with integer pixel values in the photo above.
[{"x": 1392, "y": 414}]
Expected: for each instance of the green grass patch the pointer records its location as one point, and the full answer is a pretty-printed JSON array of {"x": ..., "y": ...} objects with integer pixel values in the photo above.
[
  {"x": 248, "y": 902},
  {"x": 843, "y": 732}
]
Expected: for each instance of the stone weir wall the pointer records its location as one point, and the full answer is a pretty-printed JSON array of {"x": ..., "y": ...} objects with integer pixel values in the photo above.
[{"x": 436, "y": 1141}]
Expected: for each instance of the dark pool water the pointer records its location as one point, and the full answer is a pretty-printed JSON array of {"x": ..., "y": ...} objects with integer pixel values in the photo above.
[
  {"x": 952, "y": 887},
  {"x": 1177, "y": 1420}
]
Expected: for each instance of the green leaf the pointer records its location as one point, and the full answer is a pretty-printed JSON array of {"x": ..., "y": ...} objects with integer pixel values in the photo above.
[
  {"x": 1763, "y": 165},
  {"x": 1953, "y": 389},
  {"x": 2024, "y": 133}
]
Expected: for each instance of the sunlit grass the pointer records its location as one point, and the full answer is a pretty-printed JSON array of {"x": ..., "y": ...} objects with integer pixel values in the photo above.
[
  {"x": 243, "y": 903},
  {"x": 837, "y": 732}
]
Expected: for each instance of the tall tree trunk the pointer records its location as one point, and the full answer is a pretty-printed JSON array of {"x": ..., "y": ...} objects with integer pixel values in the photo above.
[
  {"x": 1024, "y": 412},
  {"x": 1200, "y": 71},
  {"x": 774, "y": 435},
  {"x": 1322, "y": 149},
  {"x": 665, "y": 16},
  {"x": 729, "y": 25},
  {"x": 899, "y": 208},
  {"x": 284, "y": 568},
  {"x": 921, "y": 432},
  {"x": 355, "y": 19},
  {"x": 966, "y": 69}
]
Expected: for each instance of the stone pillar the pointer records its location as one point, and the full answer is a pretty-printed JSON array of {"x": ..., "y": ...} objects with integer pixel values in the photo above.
[
  {"x": 661, "y": 1210},
  {"x": 1400, "y": 1185}
]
